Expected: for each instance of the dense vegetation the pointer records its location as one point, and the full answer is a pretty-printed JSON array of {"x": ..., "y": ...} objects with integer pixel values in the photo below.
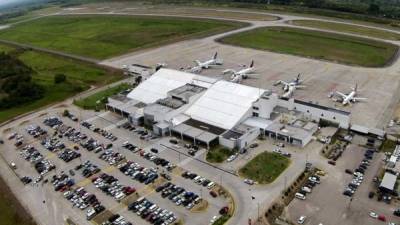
[
  {"x": 16, "y": 82},
  {"x": 60, "y": 78},
  {"x": 316, "y": 44},
  {"x": 104, "y": 36},
  {"x": 219, "y": 154}
]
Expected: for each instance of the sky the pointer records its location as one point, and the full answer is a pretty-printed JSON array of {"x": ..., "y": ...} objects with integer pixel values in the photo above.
[{"x": 8, "y": 2}]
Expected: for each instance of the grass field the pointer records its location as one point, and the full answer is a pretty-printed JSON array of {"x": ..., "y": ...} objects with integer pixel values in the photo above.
[
  {"x": 265, "y": 167},
  {"x": 12, "y": 212},
  {"x": 6, "y": 49},
  {"x": 79, "y": 77},
  {"x": 346, "y": 28},
  {"x": 105, "y": 36},
  {"x": 90, "y": 102},
  {"x": 218, "y": 154},
  {"x": 319, "y": 45}
]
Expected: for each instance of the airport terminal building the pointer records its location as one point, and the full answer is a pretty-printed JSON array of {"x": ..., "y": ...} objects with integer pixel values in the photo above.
[{"x": 208, "y": 111}]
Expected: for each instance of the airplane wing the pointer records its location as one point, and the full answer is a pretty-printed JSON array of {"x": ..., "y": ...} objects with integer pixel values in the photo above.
[
  {"x": 341, "y": 94},
  {"x": 228, "y": 71},
  {"x": 252, "y": 75},
  {"x": 282, "y": 82},
  {"x": 197, "y": 62},
  {"x": 360, "y": 99}
]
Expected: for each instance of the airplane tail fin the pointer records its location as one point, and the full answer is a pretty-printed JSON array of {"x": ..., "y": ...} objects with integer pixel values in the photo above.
[
  {"x": 215, "y": 55},
  {"x": 252, "y": 64},
  {"x": 298, "y": 77}
]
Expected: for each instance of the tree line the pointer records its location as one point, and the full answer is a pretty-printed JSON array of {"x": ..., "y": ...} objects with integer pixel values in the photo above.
[{"x": 16, "y": 84}]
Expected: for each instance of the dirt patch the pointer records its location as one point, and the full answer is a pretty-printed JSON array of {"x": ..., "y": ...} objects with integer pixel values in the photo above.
[{"x": 102, "y": 217}]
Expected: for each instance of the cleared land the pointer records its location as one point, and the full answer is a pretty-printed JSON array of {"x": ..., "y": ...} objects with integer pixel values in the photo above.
[
  {"x": 105, "y": 36},
  {"x": 319, "y": 45},
  {"x": 90, "y": 102},
  {"x": 79, "y": 78},
  {"x": 346, "y": 28},
  {"x": 218, "y": 154},
  {"x": 265, "y": 167}
]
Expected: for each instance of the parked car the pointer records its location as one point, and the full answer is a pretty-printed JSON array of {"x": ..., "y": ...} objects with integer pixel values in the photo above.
[
  {"x": 373, "y": 215},
  {"x": 249, "y": 181},
  {"x": 301, "y": 219}
]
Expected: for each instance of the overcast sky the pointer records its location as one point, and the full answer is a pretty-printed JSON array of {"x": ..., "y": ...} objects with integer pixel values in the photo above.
[{"x": 7, "y": 2}]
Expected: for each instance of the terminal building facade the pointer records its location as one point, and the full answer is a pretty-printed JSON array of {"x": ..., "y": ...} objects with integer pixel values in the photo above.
[{"x": 208, "y": 111}]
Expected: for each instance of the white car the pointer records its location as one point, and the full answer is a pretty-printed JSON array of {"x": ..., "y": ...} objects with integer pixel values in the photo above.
[
  {"x": 249, "y": 181},
  {"x": 373, "y": 215},
  {"x": 306, "y": 189},
  {"x": 301, "y": 219},
  {"x": 231, "y": 158}
]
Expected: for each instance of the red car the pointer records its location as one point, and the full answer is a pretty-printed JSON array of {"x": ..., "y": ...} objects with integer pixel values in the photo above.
[
  {"x": 129, "y": 190},
  {"x": 213, "y": 194},
  {"x": 382, "y": 218},
  {"x": 224, "y": 210}
]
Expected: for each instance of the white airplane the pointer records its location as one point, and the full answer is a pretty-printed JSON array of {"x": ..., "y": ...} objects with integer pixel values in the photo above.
[
  {"x": 238, "y": 76},
  {"x": 295, "y": 82},
  {"x": 212, "y": 62},
  {"x": 351, "y": 97},
  {"x": 195, "y": 69},
  {"x": 289, "y": 92}
]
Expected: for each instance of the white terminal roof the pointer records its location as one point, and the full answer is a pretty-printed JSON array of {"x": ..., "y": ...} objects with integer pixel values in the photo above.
[
  {"x": 163, "y": 81},
  {"x": 224, "y": 104}
]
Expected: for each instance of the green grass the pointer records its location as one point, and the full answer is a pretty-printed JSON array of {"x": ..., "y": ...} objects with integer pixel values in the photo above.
[
  {"x": 218, "y": 154},
  {"x": 6, "y": 49},
  {"x": 12, "y": 212},
  {"x": 90, "y": 102},
  {"x": 346, "y": 28},
  {"x": 314, "y": 44},
  {"x": 79, "y": 77},
  {"x": 388, "y": 146},
  {"x": 265, "y": 167},
  {"x": 105, "y": 36},
  {"x": 222, "y": 220}
]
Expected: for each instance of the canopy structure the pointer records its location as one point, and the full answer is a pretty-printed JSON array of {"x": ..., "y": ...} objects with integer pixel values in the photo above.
[{"x": 224, "y": 104}]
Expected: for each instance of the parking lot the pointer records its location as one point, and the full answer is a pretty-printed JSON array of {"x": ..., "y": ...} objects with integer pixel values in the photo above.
[
  {"x": 99, "y": 167},
  {"x": 327, "y": 204}
]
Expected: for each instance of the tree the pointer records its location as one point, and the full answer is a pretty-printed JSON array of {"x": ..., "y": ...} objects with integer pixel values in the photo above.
[
  {"x": 59, "y": 78},
  {"x": 66, "y": 112},
  {"x": 373, "y": 9}
]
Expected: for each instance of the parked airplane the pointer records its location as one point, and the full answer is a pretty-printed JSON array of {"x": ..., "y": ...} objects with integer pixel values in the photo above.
[
  {"x": 194, "y": 69},
  {"x": 238, "y": 76},
  {"x": 295, "y": 82},
  {"x": 212, "y": 62},
  {"x": 351, "y": 97},
  {"x": 289, "y": 92}
]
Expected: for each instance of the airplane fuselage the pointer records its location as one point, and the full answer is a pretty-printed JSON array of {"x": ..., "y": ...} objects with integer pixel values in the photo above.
[{"x": 349, "y": 98}]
